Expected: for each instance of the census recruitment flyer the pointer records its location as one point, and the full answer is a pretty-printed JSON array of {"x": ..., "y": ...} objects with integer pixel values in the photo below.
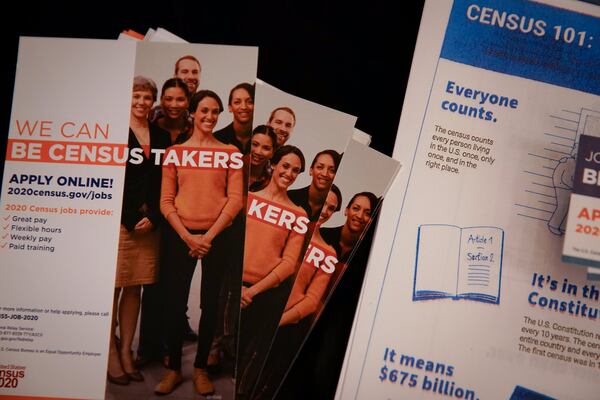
[
  {"x": 466, "y": 295},
  {"x": 59, "y": 224}
]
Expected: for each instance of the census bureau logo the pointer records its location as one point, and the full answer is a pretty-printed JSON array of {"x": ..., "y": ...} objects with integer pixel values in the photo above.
[
  {"x": 10, "y": 375},
  {"x": 274, "y": 214},
  {"x": 319, "y": 258}
]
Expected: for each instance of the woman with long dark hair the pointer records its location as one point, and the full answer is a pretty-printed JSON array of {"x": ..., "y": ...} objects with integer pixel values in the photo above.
[
  {"x": 199, "y": 202},
  {"x": 322, "y": 171},
  {"x": 303, "y": 304},
  {"x": 274, "y": 240},
  {"x": 174, "y": 116},
  {"x": 263, "y": 145}
]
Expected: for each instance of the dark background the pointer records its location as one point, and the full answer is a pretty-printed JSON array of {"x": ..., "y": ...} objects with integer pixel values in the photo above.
[{"x": 353, "y": 58}]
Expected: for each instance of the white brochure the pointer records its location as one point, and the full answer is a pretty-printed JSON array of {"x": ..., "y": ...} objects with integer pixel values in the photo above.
[
  {"x": 61, "y": 206},
  {"x": 466, "y": 295}
]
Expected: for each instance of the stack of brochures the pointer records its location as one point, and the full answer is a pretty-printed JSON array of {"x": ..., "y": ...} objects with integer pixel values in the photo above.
[{"x": 174, "y": 226}]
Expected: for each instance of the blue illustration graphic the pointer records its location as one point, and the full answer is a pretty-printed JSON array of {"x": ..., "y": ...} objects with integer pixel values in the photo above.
[
  {"x": 562, "y": 180},
  {"x": 458, "y": 263}
]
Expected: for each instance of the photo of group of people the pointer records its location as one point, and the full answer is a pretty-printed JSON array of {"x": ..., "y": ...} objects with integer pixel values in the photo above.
[
  {"x": 180, "y": 214},
  {"x": 358, "y": 190},
  {"x": 230, "y": 227},
  {"x": 306, "y": 141},
  {"x": 291, "y": 263}
]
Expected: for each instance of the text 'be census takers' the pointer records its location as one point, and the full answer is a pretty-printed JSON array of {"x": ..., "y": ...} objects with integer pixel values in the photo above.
[
  {"x": 85, "y": 143},
  {"x": 119, "y": 154}
]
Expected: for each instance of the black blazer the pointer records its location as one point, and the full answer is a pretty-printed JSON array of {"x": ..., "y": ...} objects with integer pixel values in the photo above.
[
  {"x": 300, "y": 198},
  {"x": 331, "y": 236},
  {"x": 141, "y": 193}
]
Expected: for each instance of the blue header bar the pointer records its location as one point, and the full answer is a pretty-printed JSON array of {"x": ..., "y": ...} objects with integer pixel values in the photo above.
[{"x": 526, "y": 39}]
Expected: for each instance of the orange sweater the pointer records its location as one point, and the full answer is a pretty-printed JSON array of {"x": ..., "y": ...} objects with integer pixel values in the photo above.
[
  {"x": 200, "y": 195},
  {"x": 268, "y": 246},
  {"x": 309, "y": 286}
]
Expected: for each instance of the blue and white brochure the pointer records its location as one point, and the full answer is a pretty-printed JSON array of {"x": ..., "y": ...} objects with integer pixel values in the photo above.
[{"x": 499, "y": 95}]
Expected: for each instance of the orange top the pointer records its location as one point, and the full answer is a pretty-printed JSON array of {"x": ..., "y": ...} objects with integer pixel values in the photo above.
[
  {"x": 270, "y": 244},
  {"x": 199, "y": 195},
  {"x": 311, "y": 281}
]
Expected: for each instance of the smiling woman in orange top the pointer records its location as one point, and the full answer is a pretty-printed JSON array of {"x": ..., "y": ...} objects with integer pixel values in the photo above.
[
  {"x": 312, "y": 280},
  {"x": 304, "y": 303},
  {"x": 198, "y": 203},
  {"x": 275, "y": 230}
]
